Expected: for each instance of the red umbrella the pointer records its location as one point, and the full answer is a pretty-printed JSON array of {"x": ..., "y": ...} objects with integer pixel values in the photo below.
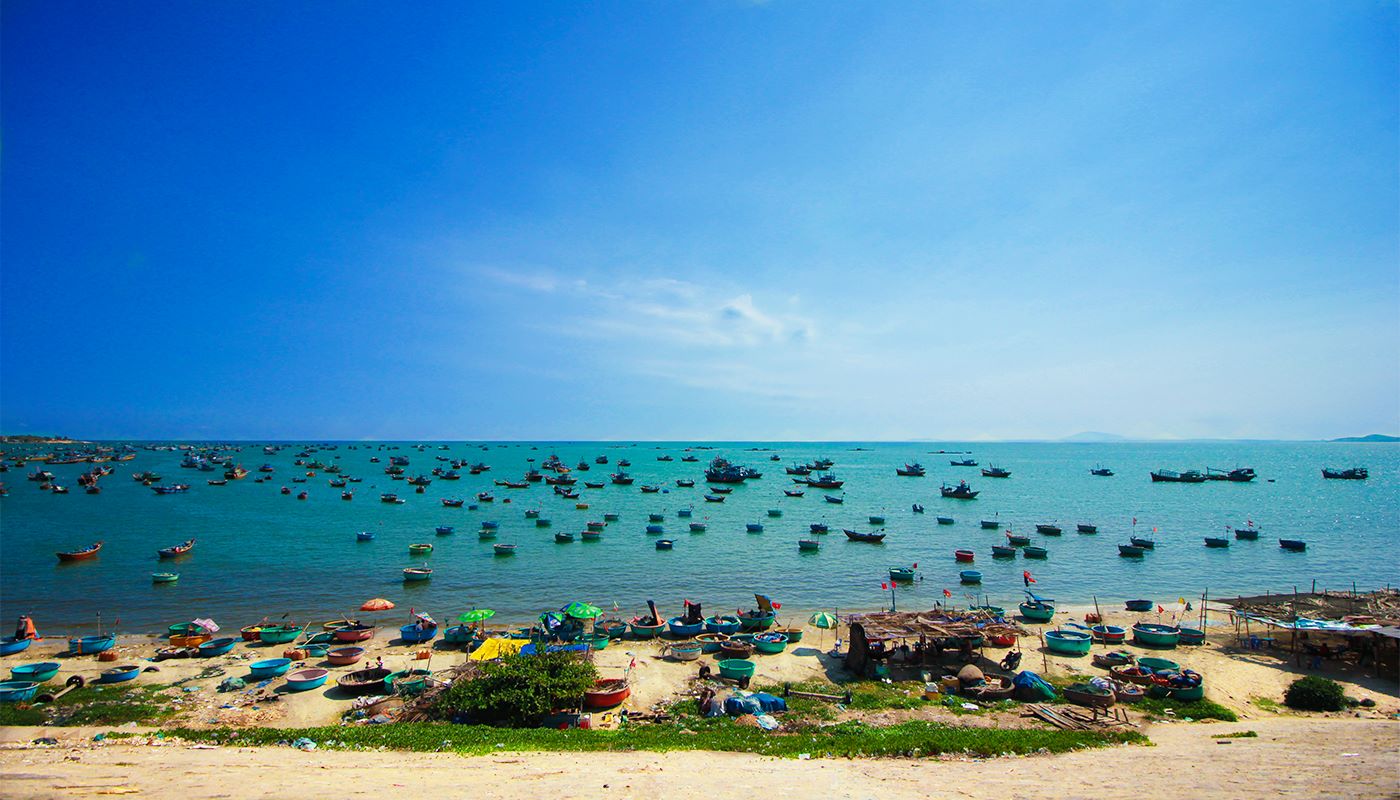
[{"x": 377, "y": 604}]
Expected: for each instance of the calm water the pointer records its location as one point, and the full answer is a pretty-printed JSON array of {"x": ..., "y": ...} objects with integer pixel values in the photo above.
[{"x": 261, "y": 552}]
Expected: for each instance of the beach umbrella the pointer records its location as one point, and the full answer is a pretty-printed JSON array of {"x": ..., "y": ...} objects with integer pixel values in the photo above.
[
  {"x": 477, "y": 615},
  {"x": 377, "y": 604},
  {"x": 582, "y": 611},
  {"x": 824, "y": 620}
]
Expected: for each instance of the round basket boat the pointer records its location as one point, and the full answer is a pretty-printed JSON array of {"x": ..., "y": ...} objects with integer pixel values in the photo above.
[
  {"x": 250, "y": 633},
  {"x": 217, "y": 647},
  {"x": 1086, "y": 694},
  {"x": 770, "y": 643},
  {"x": 994, "y": 687},
  {"x": 18, "y": 691},
  {"x": 269, "y": 668},
  {"x": 642, "y": 631},
  {"x": 1113, "y": 658},
  {"x": 315, "y": 650},
  {"x": 595, "y": 641},
  {"x": 1192, "y": 636},
  {"x": 277, "y": 634},
  {"x": 1131, "y": 673},
  {"x": 1128, "y": 693},
  {"x": 1150, "y": 634},
  {"x": 794, "y": 635},
  {"x": 1187, "y": 694},
  {"x": 1068, "y": 643},
  {"x": 686, "y": 651},
  {"x": 710, "y": 642},
  {"x": 736, "y": 668},
  {"x": 345, "y": 656},
  {"x": 354, "y": 633},
  {"x": 736, "y": 650},
  {"x": 722, "y": 624},
  {"x": 38, "y": 673},
  {"x": 1109, "y": 634},
  {"x": 1159, "y": 664},
  {"x": 191, "y": 639},
  {"x": 365, "y": 681},
  {"x": 306, "y": 679},
  {"x": 120, "y": 674},
  {"x": 406, "y": 682}
]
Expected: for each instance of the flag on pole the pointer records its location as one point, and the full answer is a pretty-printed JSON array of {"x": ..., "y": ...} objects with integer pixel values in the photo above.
[
  {"x": 884, "y": 586},
  {"x": 1026, "y": 576},
  {"x": 1161, "y": 610},
  {"x": 947, "y": 593}
]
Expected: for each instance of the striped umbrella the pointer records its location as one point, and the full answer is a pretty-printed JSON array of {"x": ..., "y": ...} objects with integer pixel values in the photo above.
[{"x": 824, "y": 620}]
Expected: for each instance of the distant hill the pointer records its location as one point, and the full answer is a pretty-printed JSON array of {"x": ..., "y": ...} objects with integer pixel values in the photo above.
[
  {"x": 1374, "y": 437},
  {"x": 1095, "y": 436}
]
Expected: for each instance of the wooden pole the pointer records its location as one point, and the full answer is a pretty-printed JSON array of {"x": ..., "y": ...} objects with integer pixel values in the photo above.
[{"x": 1096, "y": 609}]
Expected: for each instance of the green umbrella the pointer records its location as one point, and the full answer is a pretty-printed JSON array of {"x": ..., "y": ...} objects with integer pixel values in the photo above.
[
  {"x": 477, "y": 615},
  {"x": 582, "y": 611},
  {"x": 824, "y": 620}
]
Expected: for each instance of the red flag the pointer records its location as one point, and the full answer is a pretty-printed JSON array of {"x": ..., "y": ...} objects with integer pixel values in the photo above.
[
  {"x": 1161, "y": 610},
  {"x": 916, "y": 565},
  {"x": 884, "y": 586},
  {"x": 1134, "y": 520},
  {"x": 947, "y": 593},
  {"x": 776, "y": 606},
  {"x": 1027, "y": 576}
]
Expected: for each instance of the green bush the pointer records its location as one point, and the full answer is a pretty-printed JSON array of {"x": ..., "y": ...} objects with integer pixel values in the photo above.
[
  {"x": 1315, "y": 693},
  {"x": 518, "y": 690}
]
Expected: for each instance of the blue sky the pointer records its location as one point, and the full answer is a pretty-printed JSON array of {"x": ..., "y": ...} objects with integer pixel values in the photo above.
[{"x": 715, "y": 220}]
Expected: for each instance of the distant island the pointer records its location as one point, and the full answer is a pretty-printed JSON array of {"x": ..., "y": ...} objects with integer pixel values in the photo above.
[
  {"x": 1374, "y": 437},
  {"x": 27, "y": 438},
  {"x": 1095, "y": 436}
]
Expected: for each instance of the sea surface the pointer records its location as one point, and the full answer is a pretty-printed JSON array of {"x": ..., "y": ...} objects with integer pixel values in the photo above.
[{"x": 260, "y": 553}]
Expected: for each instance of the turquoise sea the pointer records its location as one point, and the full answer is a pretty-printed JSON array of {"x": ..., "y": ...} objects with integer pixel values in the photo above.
[{"x": 262, "y": 553}]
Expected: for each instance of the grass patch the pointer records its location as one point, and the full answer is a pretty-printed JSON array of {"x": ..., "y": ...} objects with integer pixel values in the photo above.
[
  {"x": 93, "y": 705},
  {"x": 1196, "y": 709},
  {"x": 1267, "y": 704},
  {"x": 1236, "y": 735},
  {"x": 848, "y": 739}
]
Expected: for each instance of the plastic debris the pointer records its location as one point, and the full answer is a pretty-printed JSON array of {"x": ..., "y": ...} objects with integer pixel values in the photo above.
[
  {"x": 304, "y": 744},
  {"x": 232, "y": 684}
]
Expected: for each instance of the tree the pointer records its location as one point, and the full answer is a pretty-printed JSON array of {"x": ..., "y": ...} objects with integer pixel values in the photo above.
[{"x": 518, "y": 691}]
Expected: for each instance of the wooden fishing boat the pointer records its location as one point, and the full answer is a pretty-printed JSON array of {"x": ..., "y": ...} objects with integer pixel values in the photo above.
[
  {"x": 1003, "y": 551},
  {"x": 993, "y": 471},
  {"x": 736, "y": 668},
  {"x": 459, "y": 634},
  {"x": 809, "y": 545},
  {"x": 1087, "y": 694},
  {"x": 1352, "y": 474},
  {"x": 1191, "y": 636},
  {"x": 710, "y": 642},
  {"x": 18, "y": 691},
  {"x": 775, "y": 512},
  {"x": 1246, "y": 534},
  {"x": 364, "y": 681},
  {"x": 1144, "y": 543},
  {"x": 759, "y": 619},
  {"x": 1296, "y": 545},
  {"x": 177, "y": 550},
  {"x": 680, "y": 628},
  {"x": 345, "y": 656},
  {"x": 415, "y": 574},
  {"x": 818, "y": 527},
  {"x": 416, "y": 634},
  {"x": 1217, "y": 541},
  {"x": 614, "y": 628},
  {"x": 736, "y": 649},
  {"x": 1017, "y": 541},
  {"x": 504, "y": 549},
  {"x": 1138, "y": 605},
  {"x": 217, "y": 647},
  {"x": 871, "y": 538},
  {"x": 990, "y": 524},
  {"x": 945, "y": 520},
  {"x": 793, "y": 492},
  {"x": 770, "y": 643},
  {"x": 452, "y": 502},
  {"x": 1150, "y": 634},
  {"x": 665, "y": 544},
  {"x": 1127, "y": 692},
  {"x": 1049, "y": 529},
  {"x": 1131, "y": 551},
  {"x": 1085, "y": 527},
  {"x": 964, "y": 555},
  {"x": 686, "y": 651},
  {"x": 753, "y": 527},
  {"x": 960, "y": 492},
  {"x": 590, "y": 536},
  {"x": 646, "y": 628},
  {"x": 419, "y": 549},
  {"x": 607, "y": 693},
  {"x": 354, "y": 633},
  {"x": 563, "y": 538},
  {"x": 80, "y": 555},
  {"x": 1035, "y": 552},
  {"x": 1068, "y": 643},
  {"x": 1114, "y": 658}
]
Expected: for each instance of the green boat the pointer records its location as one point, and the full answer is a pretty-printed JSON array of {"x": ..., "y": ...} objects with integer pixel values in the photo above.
[
  {"x": 770, "y": 643},
  {"x": 1035, "y": 552},
  {"x": 1035, "y": 611},
  {"x": 595, "y": 641},
  {"x": 406, "y": 682},
  {"x": 420, "y": 549},
  {"x": 1158, "y": 664},
  {"x": 902, "y": 574},
  {"x": 1068, "y": 643},
  {"x": 1150, "y": 634},
  {"x": 279, "y": 634},
  {"x": 164, "y": 577},
  {"x": 736, "y": 668},
  {"x": 1188, "y": 694}
]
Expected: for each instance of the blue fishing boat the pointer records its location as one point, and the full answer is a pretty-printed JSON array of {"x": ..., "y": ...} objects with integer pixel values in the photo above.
[
  {"x": 38, "y": 672},
  {"x": 1131, "y": 551},
  {"x": 754, "y": 527},
  {"x": 119, "y": 674},
  {"x": 418, "y": 633},
  {"x": 269, "y": 668},
  {"x": 658, "y": 528},
  {"x": 725, "y": 624},
  {"x": 88, "y": 645},
  {"x": 834, "y": 499},
  {"x": 1296, "y": 545},
  {"x": 679, "y": 627},
  {"x": 1068, "y": 643},
  {"x": 18, "y": 691},
  {"x": 664, "y": 544},
  {"x": 217, "y": 647},
  {"x": 970, "y": 576},
  {"x": 1138, "y": 605},
  {"x": 10, "y": 645},
  {"x": 364, "y": 536},
  {"x": 444, "y": 530}
]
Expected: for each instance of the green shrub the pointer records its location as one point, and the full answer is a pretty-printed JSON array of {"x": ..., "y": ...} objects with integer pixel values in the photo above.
[
  {"x": 518, "y": 690},
  {"x": 1315, "y": 693}
]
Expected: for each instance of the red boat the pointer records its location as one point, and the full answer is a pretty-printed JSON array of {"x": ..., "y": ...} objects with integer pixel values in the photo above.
[
  {"x": 607, "y": 693},
  {"x": 963, "y": 555},
  {"x": 354, "y": 633},
  {"x": 177, "y": 550},
  {"x": 79, "y": 555}
]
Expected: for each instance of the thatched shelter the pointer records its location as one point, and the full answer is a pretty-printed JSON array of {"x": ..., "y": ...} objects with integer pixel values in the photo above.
[{"x": 921, "y": 637}]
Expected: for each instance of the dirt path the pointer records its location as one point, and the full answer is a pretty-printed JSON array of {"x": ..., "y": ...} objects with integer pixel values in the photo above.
[{"x": 1292, "y": 758}]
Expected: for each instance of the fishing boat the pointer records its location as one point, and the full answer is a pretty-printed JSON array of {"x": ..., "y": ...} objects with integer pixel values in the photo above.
[
  {"x": 164, "y": 577},
  {"x": 914, "y": 470},
  {"x": 810, "y": 545},
  {"x": 650, "y": 489},
  {"x": 722, "y": 624},
  {"x": 174, "y": 488},
  {"x": 364, "y": 681},
  {"x": 970, "y": 576},
  {"x": 695, "y": 527},
  {"x": 217, "y": 647},
  {"x": 40, "y": 672},
  {"x": 1017, "y": 541},
  {"x": 541, "y": 522},
  {"x": 685, "y": 627},
  {"x": 621, "y": 478},
  {"x": 415, "y": 574},
  {"x": 819, "y": 527},
  {"x": 389, "y": 497},
  {"x": 588, "y": 536},
  {"x": 607, "y": 693},
  {"x": 1169, "y": 476},
  {"x": 1089, "y": 695},
  {"x": 990, "y": 524},
  {"x": 946, "y": 520},
  {"x": 1103, "y": 472},
  {"x": 80, "y": 555},
  {"x": 452, "y": 502},
  {"x": 1085, "y": 527},
  {"x": 714, "y": 498},
  {"x": 918, "y": 509},
  {"x": 593, "y": 485},
  {"x": 1349, "y": 474},
  {"x": 1151, "y": 634},
  {"x": 611, "y": 516},
  {"x": 1037, "y": 611},
  {"x": 793, "y": 492},
  {"x": 1191, "y": 636},
  {"x": 753, "y": 527},
  {"x": 966, "y": 462},
  {"x": 1247, "y": 534},
  {"x": 18, "y": 691},
  {"x": 685, "y": 483},
  {"x": 420, "y": 548},
  {"x": 1049, "y": 530},
  {"x": 88, "y": 645},
  {"x": 444, "y": 530},
  {"x": 364, "y": 536},
  {"x": 1138, "y": 605},
  {"x": 1296, "y": 545},
  {"x": 278, "y": 634},
  {"x": 1068, "y": 643},
  {"x": 759, "y": 619},
  {"x": 1035, "y": 552},
  {"x": 647, "y": 627},
  {"x": 1217, "y": 541},
  {"x": 307, "y": 679},
  {"x": 563, "y": 538},
  {"x": 504, "y": 549},
  {"x": 1131, "y": 551},
  {"x": 902, "y": 574},
  {"x": 964, "y": 555},
  {"x": 775, "y": 512},
  {"x": 345, "y": 656},
  {"x": 1237, "y": 475},
  {"x": 10, "y": 645},
  {"x": 960, "y": 492},
  {"x": 1003, "y": 551},
  {"x": 770, "y": 643},
  {"x": 871, "y": 538},
  {"x": 834, "y": 499},
  {"x": 993, "y": 471},
  {"x": 657, "y": 529},
  {"x": 1144, "y": 543},
  {"x": 1108, "y": 634},
  {"x": 418, "y": 632}
]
